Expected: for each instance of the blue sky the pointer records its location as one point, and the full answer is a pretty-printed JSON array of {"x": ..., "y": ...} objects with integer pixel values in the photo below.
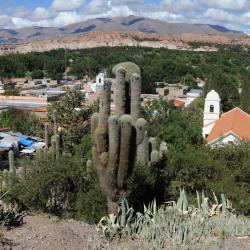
[{"x": 234, "y": 14}]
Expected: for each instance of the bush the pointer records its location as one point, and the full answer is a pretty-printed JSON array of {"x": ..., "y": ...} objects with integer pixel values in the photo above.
[
  {"x": 37, "y": 74},
  {"x": 48, "y": 184},
  {"x": 91, "y": 205},
  {"x": 225, "y": 169},
  {"x": 22, "y": 121}
]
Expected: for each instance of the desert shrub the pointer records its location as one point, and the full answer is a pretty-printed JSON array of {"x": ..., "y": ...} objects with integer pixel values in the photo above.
[
  {"x": 224, "y": 169},
  {"x": 48, "y": 184},
  {"x": 145, "y": 184},
  {"x": 90, "y": 206},
  {"x": 22, "y": 121},
  {"x": 64, "y": 187}
]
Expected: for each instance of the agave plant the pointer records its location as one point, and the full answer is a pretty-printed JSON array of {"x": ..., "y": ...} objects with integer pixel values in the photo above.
[
  {"x": 117, "y": 225},
  {"x": 10, "y": 215},
  {"x": 177, "y": 222}
]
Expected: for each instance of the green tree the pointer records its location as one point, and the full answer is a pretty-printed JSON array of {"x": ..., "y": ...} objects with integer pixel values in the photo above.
[
  {"x": 37, "y": 74},
  {"x": 226, "y": 86},
  {"x": 72, "y": 115},
  {"x": 22, "y": 121},
  {"x": 245, "y": 96},
  {"x": 54, "y": 68}
]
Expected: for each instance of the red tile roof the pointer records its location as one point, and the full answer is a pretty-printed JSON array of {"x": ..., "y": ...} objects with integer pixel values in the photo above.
[
  {"x": 235, "y": 121},
  {"x": 178, "y": 103}
]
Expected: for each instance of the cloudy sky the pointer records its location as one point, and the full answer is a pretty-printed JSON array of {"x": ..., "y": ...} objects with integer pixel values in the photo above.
[{"x": 233, "y": 14}]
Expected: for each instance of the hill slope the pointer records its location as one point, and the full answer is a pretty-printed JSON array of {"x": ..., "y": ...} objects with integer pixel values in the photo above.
[{"x": 118, "y": 24}]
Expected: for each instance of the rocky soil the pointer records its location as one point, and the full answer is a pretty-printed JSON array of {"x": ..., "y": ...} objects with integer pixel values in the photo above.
[{"x": 44, "y": 233}]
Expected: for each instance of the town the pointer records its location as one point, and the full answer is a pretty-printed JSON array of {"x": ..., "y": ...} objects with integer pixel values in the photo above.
[{"x": 124, "y": 125}]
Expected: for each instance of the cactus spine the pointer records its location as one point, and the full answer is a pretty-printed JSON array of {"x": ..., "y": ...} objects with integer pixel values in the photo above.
[{"x": 121, "y": 139}]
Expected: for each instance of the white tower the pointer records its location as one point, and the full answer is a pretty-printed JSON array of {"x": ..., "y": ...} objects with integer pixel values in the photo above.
[{"x": 211, "y": 111}]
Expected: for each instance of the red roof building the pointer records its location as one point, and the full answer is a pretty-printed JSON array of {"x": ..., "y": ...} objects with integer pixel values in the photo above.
[
  {"x": 178, "y": 103},
  {"x": 231, "y": 127}
]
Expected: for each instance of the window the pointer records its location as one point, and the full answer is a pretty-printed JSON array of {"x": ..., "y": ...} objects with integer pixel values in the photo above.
[
  {"x": 100, "y": 80},
  {"x": 211, "y": 108}
]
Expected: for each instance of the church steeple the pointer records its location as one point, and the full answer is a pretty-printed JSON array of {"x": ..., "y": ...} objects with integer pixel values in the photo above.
[{"x": 212, "y": 108}]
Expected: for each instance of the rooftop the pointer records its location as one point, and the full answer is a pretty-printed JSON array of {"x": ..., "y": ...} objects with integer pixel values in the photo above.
[{"x": 235, "y": 121}]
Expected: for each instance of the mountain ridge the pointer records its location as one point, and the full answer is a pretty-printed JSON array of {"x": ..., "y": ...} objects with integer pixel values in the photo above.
[{"x": 117, "y": 24}]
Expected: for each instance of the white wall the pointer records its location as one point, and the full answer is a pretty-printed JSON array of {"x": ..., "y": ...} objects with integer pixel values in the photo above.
[
  {"x": 230, "y": 138},
  {"x": 208, "y": 116},
  {"x": 207, "y": 129},
  {"x": 100, "y": 79},
  {"x": 191, "y": 98}
]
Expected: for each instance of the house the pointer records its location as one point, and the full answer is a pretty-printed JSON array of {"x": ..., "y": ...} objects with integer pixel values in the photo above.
[
  {"x": 178, "y": 103},
  {"x": 231, "y": 127},
  {"x": 1, "y": 88},
  {"x": 192, "y": 95},
  {"x": 172, "y": 91}
]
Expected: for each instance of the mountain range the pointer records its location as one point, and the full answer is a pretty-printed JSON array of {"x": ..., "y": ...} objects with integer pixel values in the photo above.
[{"x": 117, "y": 24}]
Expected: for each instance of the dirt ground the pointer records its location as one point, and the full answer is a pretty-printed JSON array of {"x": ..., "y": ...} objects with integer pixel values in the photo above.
[{"x": 44, "y": 233}]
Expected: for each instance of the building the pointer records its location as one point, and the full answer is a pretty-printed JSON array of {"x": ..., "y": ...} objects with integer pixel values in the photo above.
[
  {"x": 1, "y": 88},
  {"x": 178, "y": 103},
  {"x": 231, "y": 127},
  {"x": 192, "y": 95},
  {"x": 100, "y": 78},
  {"x": 211, "y": 112},
  {"x": 172, "y": 91}
]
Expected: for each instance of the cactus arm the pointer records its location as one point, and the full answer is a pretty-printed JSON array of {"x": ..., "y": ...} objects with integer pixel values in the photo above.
[
  {"x": 11, "y": 156},
  {"x": 120, "y": 93},
  {"x": 105, "y": 105},
  {"x": 46, "y": 134},
  {"x": 94, "y": 124},
  {"x": 135, "y": 97},
  {"x": 114, "y": 148},
  {"x": 125, "y": 146},
  {"x": 57, "y": 142}
]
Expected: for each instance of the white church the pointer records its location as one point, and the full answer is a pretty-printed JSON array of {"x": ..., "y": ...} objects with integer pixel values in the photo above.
[{"x": 230, "y": 127}]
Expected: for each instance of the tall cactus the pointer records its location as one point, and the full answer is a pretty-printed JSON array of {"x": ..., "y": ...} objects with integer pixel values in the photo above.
[
  {"x": 11, "y": 156},
  {"x": 121, "y": 139},
  {"x": 46, "y": 134}
]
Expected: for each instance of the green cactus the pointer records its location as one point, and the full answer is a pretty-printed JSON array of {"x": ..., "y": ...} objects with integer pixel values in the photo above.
[
  {"x": 46, "y": 134},
  {"x": 55, "y": 128},
  {"x": 135, "y": 97},
  {"x": 121, "y": 139},
  {"x": 12, "y": 168},
  {"x": 5, "y": 180},
  {"x": 57, "y": 142},
  {"x": 53, "y": 144}
]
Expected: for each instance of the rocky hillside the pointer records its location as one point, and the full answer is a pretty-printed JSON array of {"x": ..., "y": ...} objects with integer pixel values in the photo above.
[
  {"x": 118, "y": 24},
  {"x": 114, "y": 39}
]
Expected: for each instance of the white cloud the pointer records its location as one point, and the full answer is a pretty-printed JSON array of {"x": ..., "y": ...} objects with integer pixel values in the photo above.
[
  {"x": 98, "y": 7},
  {"x": 42, "y": 14},
  {"x": 66, "y": 5},
  {"x": 223, "y": 16},
  {"x": 21, "y": 11},
  {"x": 177, "y": 6},
  {"x": 236, "y": 5},
  {"x": 20, "y": 22},
  {"x": 5, "y": 21}
]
